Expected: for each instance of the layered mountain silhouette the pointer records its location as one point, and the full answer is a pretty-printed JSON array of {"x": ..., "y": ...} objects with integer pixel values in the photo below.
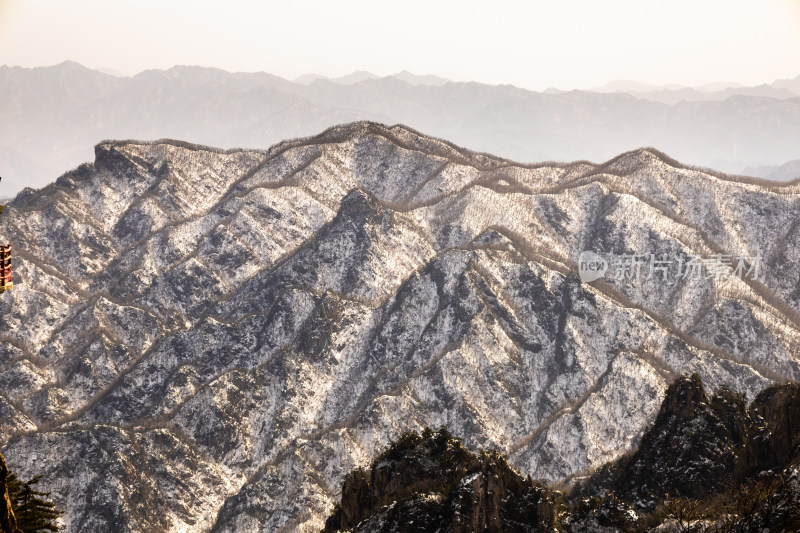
[
  {"x": 787, "y": 171},
  {"x": 52, "y": 116},
  {"x": 209, "y": 340}
]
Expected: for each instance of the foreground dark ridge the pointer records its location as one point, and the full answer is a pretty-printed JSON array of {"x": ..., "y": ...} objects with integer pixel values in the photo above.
[
  {"x": 706, "y": 465},
  {"x": 225, "y": 334},
  {"x": 430, "y": 482}
]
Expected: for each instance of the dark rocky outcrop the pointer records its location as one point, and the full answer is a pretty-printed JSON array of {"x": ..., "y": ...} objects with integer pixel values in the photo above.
[
  {"x": 777, "y": 439},
  {"x": 430, "y": 482},
  {"x": 692, "y": 449},
  {"x": 713, "y": 461},
  {"x": 699, "y": 446},
  {"x": 8, "y": 524}
]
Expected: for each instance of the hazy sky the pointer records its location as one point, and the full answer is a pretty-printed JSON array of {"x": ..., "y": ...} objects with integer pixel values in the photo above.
[{"x": 533, "y": 44}]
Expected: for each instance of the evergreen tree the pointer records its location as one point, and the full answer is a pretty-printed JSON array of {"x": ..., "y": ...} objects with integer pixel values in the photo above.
[{"x": 34, "y": 511}]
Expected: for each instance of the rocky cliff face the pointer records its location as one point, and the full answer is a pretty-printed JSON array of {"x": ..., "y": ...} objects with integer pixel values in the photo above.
[
  {"x": 776, "y": 433},
  {"x": 693, "y": 448},
  {"x": 706, "y": 465},
  {"x": 430, "y": 482},
  {"x": 202, "y": 340},
  {"x": 699, "y": 446},
  {"x": 714, "y": 462}
]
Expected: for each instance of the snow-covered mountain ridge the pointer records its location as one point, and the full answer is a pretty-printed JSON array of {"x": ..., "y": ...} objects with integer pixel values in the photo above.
[{"x": 208, "y": 340}]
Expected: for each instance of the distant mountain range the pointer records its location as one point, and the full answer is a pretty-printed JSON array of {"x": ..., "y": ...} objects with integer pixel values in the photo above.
[
  {"x": 712, "y": 92},
  {"x": 52, "y": 115},
  {"x": 787, "y": 171},
  {"x": 209, "y": 340},
  {"x": 361, "y": 75}
]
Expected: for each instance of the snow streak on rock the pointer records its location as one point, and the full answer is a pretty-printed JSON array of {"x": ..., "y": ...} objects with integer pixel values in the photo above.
[{"x": 202, "y": 340}]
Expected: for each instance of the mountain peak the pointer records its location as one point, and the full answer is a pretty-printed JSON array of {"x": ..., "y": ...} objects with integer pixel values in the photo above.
[
  {"x": 416, "y": 79},
  {"x": 354, "y": 77},
  {"x": 70, "y": 65},
  {"x": 683, "y": 398},
  {"x": 431, "y": 481},
  {"x": 358, "y": 203}
]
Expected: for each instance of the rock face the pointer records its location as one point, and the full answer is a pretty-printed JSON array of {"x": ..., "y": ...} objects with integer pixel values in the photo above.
[
  {"x": 692, "y": 449},
  {"x": 8, "y": 524},
  {"x": 691, "y": 470},
  {"x": 709, "y": 463},
  {"x": 201, "y": 340},
  {"x": 777, "y": 436},
  {"x": 430, "y": 482},
  {"x": 699, "y": 446}
]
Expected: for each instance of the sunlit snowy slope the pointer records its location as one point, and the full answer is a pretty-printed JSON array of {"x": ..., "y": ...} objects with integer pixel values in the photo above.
[{"x": 200, "y": 340}]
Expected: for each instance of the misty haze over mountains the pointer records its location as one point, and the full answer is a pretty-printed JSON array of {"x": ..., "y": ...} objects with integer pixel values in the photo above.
[{"x": 53, "y": 116}]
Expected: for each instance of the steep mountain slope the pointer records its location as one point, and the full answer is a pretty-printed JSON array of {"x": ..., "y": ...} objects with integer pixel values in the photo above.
[
  {"x": 53, "y": 116},
  {"x": 202, "y": 340}
]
